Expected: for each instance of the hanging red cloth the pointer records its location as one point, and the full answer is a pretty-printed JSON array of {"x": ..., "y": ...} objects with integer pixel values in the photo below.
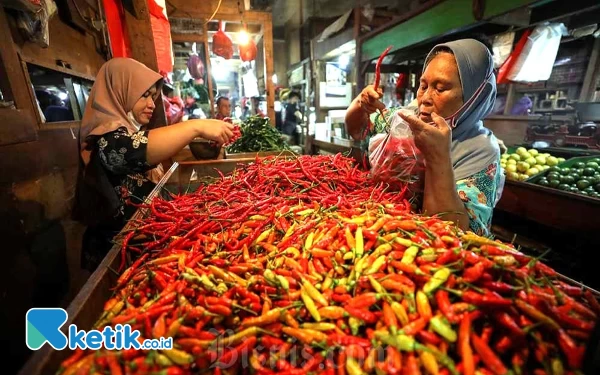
[
  {"x": 117, "y": 30},
  {"x": 161, "y": 30}
]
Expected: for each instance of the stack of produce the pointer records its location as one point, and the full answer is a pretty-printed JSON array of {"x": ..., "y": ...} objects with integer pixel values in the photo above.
[
  {"x": 580, "y": 178},
  {"x": 524, "y": 163},
  {"x": 305, "y": 266},
  {"x": 258, "y": 135}
]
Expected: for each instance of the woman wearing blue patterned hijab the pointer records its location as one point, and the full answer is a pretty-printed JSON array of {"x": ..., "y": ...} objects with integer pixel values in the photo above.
[{"x": 463, "y": 178}]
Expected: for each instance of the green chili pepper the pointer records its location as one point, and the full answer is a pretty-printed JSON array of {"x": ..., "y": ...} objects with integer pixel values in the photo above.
[
  {"x": 409, "y": 255},
  {"x": 438, "y": 278},
  {"x": 440, "y": 326}
]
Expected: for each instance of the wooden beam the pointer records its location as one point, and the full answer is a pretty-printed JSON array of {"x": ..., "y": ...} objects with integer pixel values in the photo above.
[
  {"x": 186, "y": 38},
  {"x": 591, "y": 74},
  {"x": 250, "y": 17},
  {"x": 18, "y": 125},
  {"x": 211, "y": 98},
  {"x": 268, "y": 56},
  {"x": 143, "y": 50}
]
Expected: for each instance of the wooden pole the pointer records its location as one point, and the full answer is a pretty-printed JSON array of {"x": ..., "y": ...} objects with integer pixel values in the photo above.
[
  {"x": 143, "y": 50},
  {"x": 268, "y": 56},
  {"x": 208, "y": 70}
]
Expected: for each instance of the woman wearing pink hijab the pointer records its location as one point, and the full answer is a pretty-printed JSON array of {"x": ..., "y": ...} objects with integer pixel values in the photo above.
[{"x": 119, "y": 157}]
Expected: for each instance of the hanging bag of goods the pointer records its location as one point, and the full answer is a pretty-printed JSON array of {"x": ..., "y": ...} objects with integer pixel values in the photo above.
[
  {"x": 395, "y": 158},
  {"x": 248, "y": 50},
  {"x": 222, "y": 44}
]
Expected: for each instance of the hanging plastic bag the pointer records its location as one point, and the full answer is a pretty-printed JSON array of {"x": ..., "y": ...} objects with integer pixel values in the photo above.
[
  {"x": 173, "y": 109},
  {"x": 31, "y": 6},
  {"x": 222, "y": 44},
  {"x": 248, "y": 51},
  {"x": 34, "y": 26},
  {"x": 536, "y": 61},
  {"x": 502, "y": 47},
  {"x": 510, "y": 61},
  {"x": 394, "y": 157}
]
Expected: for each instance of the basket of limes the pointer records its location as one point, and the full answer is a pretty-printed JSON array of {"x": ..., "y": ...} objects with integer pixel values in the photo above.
[
  {"x": 577, "y": 175},
  {"x": 521, "y": 164}
]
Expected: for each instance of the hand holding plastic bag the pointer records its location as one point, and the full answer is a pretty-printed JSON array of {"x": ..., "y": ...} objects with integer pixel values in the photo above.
[{"x": 395, "y": 158}]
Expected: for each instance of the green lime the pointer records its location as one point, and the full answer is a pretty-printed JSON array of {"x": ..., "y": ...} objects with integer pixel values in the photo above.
[
  {"x": 583, "y": 184},
  {"x": 567, "y": 180},
  {"x": 579, "y": 164},
  {"x": 554, "y": 183},
  {"x": 594, "y": 180},
  {"x": 592, "y": 164},
  {"x": 589, "y": 171},
  {"x": 573, "y": 189},
  {"x": 597, "y": 188},
  {"x": 553, "y": 176},
  {"x": 596, "y": 160},
  {"x": 595, "y": 194},
  {"x": 543, "y": 182},
  {"x": 565, "y": 171},
  {"x": 590, "y": 189},
  {"x": 563, "y": 187},
  {"x": 554, "y": 169},
  {"x": 579, "y": 170},
  {"x": 584, "y": 193}
]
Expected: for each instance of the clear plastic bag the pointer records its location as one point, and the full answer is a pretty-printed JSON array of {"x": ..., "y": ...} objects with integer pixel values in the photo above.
[{"x": 394, "y": 157}]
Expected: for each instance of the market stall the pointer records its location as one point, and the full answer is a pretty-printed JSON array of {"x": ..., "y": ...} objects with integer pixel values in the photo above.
[
  {"x": 253, "y": 272},
  {"x": 267, "y": 261},
  {"x": 555, "y": 115}
]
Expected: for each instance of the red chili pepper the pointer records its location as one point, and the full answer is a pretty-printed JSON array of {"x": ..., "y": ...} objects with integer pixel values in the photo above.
[
  {"x": 464, "y": 346},
  {"x": 411, "y": 365},
  {"x": 472, "y": 274},
  {"x": 361, "y": 314},
  {"x": 509, "y": 323},
  {"x": 429, "y": 337},
  {"x": 488, "y": 356},
  {"x": 490, "y": 299},
  {"x": 573, "y": 353},
  {"x": 414, "y": 327},
  {"x": 345, "y": 340}
]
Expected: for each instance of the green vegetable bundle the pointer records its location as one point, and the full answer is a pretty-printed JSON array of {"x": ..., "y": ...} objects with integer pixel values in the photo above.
[{"x": 258, "y": 135}]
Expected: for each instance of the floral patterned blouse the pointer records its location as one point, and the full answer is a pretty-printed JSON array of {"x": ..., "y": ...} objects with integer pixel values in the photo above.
[
  {"x": 124, "y": 157},
  {"x": 478, "y": 192}
]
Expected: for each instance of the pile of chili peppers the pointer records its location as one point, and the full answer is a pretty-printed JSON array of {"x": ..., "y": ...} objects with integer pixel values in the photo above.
[{"x": 305, "y": 266}]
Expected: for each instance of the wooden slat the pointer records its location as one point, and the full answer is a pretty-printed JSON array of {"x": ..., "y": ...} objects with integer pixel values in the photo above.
[
  {"x": 18, "y": 125},
  {"x": 45, "y": 64},
  {"x": 208, "y": 71},
  {"x": 197, "y": 38},
  {"x": 268, "y": 57}
]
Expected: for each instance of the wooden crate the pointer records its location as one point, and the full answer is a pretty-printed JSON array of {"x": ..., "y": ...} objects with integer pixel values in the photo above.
[
  {"x": 253, "y": 155},
  {"x": 87, "y": 306},
  {"x": 551, "y": 207}
]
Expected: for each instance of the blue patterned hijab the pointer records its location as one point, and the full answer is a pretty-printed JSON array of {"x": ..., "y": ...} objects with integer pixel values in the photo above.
[{"x": 474, "y": 147}]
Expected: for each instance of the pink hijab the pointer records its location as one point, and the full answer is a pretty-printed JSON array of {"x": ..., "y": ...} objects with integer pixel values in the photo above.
[{"x": 119, "y": 84}]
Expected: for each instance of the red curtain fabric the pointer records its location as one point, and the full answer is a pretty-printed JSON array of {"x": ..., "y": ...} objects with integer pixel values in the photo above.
[
  {"x": 161, "y": 30},
  {"x": 117, "y": 30}
]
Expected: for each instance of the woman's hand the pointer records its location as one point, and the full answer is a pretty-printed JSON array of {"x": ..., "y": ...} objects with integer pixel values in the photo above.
[
  {"x": 368, "y": 100},
  {"x": 215, "y": 130},
  {"x": 433, "y": 140}
]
